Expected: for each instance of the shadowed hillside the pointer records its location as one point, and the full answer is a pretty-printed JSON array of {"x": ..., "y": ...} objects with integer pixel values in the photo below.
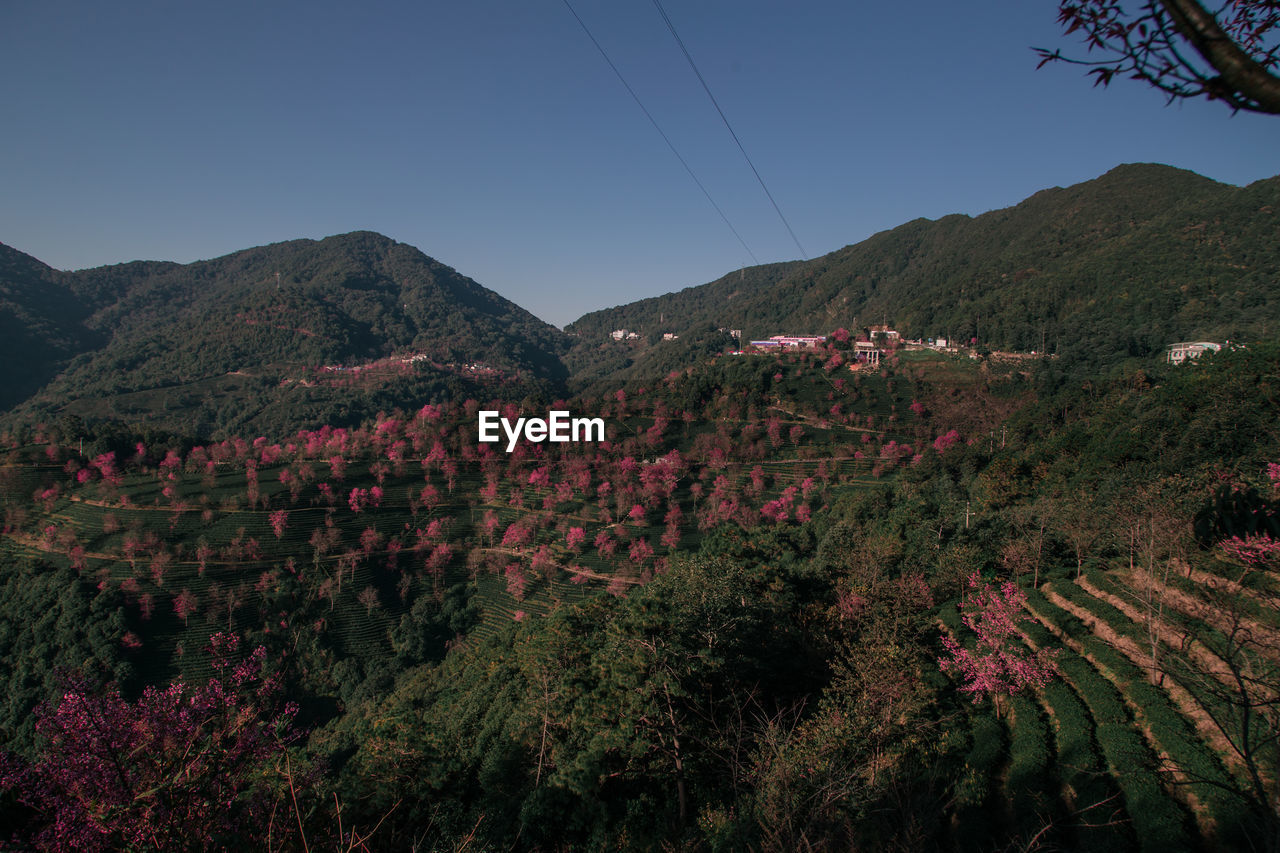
[{"x": 41, "y": 324}]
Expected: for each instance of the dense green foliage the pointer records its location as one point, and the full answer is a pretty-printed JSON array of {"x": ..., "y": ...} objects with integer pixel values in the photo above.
[
  {"x": 721, "y": 628},
  {"x": 54, "y": 623},
  {"x": 770, "y": 686},
  {"x": 40, "y": 325}
]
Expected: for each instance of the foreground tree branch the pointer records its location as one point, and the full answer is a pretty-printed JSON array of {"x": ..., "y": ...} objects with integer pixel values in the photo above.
[{"x": 1181, "y": 48}]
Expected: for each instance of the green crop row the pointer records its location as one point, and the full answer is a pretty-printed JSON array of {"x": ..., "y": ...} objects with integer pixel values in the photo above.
[
  {"x": 1092, "y": 793},
  {"x": 1098, "y": 820},
  {"x": 1207, "y": 778},
  {"x": 1205, "y": 633},
  {"x": 1028, "y": 783},
  {"x": 1247, "y": 604},
  {"x": 1158, "y": 823},
  {"x": 979, "y": 819}
]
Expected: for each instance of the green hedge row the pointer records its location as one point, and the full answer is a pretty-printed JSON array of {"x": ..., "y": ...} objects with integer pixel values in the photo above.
[
  {"x": 1096, "y": 800},
  {"x": 1210, "y": 782},
  {"x": 1159, "y": 824},
  {"x": 1179, "y": 621},
  {"x": 1029, "y": 784},
  {"x": 979, "y": 823},
  {"x": 1249, "y": 606}
]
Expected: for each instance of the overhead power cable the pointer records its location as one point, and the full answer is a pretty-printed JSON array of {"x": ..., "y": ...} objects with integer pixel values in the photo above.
[
  {"x": 661, "y": 133},
  {"x": 724, "y": 118}
]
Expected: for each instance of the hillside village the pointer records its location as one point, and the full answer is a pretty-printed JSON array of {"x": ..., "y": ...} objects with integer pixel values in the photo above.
[{"x": 877, "y": 340}]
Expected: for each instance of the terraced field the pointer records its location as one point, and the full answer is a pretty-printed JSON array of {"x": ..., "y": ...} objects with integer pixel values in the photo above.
[
  {"x": 197, "y": 548},
  {"x": 1118, "y": 753}
]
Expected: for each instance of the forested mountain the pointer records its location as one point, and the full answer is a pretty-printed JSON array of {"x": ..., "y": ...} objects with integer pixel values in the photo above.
[
  {"x": 297, "y": 333},
  {"x": 1114, "y": 267},
  {"x": 41, "y": 324}
]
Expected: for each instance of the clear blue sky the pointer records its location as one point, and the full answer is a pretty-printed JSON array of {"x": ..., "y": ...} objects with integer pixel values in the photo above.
[{"x": 491, "y": 135}]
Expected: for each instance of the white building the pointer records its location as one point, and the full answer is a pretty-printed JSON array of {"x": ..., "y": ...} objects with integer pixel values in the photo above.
[
  {"x": 799, "y": 341},
  {"x": 865, "y": 352},
  {"x": 1178, "y": 353}
]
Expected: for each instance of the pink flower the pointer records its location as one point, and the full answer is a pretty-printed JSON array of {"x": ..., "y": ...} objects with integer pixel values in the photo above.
[
  {"x": 1251, "y": 549},
  {"x": 997, "y": 666}
]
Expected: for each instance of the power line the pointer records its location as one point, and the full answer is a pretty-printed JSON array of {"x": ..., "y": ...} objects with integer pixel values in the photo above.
[
  {"x": 664, "y": 136},
  {"x": 707, "y": 89}
]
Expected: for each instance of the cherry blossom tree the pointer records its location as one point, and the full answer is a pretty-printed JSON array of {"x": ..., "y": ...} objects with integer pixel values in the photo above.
[
  {"x": 370, "y": 539},
  {"x": 996, "y": 666},
  {"x": 362, "y": 499},
  {"x": 517, "y": 581},
  {"x": 516, "y": 536},
  {"x": 1251, "y": 549},
  {"x": 489, "y": 525},
  {"x": 369, "y": 598},
  {"x": 605, "y": 544},
  {"x": 279, "y": 521},
  {"x": 945, "y": 441},
  {"x": 184, "y": 604},
  {"x": 641, "y": 550},
  {"x": 439, "y": 558},
  {"x": 180, "y": 768}
]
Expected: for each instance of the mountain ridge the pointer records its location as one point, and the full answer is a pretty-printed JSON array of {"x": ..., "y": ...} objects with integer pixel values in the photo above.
[
  {"x": 1111, "y": 268},
  {"x": 1107, "y": 269},
  {"x": 275, "y": 313}
]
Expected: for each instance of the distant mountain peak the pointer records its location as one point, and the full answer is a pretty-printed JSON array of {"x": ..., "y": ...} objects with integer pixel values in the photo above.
[
  {"x": 166, "y": 335},
  {"x": 1148, "y": 170}
]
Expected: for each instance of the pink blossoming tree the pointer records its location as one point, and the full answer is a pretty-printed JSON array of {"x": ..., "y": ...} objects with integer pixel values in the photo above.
[
  {"x": 180, "y": 768},
  {"x": 996, "y": 666}
]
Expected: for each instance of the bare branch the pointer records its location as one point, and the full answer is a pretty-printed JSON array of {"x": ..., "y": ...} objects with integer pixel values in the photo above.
[{"x": 1233, "y": 55}]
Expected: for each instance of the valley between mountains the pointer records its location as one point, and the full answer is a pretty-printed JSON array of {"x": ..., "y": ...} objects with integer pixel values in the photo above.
[{"x": 926, "y": 543}]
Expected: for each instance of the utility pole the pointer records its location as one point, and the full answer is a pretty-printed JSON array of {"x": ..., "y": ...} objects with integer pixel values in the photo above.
[{"x": 966, "y": 515}]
